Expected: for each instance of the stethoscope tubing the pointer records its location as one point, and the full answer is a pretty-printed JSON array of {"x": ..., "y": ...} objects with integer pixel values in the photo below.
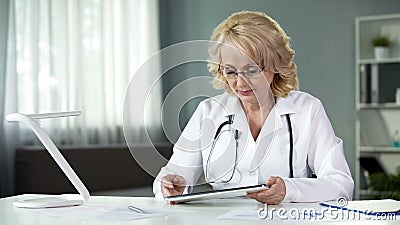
[{"x": 236, "y": 136}]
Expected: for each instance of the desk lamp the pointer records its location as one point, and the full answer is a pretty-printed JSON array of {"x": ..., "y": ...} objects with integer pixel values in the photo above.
[{"x": 54, "y": 201}]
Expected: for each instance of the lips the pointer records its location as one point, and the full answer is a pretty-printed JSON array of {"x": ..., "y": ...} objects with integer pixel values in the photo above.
[{"x": 245, "y": 93}]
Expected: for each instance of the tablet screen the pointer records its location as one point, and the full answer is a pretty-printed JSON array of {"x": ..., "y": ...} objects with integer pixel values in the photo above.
[{"x": 224, "y": 193}]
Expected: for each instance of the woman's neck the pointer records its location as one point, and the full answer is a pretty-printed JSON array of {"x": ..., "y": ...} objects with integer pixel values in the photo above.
[
  {"x": 256, "y": 116},
  {"x": 262, "y": 111}
]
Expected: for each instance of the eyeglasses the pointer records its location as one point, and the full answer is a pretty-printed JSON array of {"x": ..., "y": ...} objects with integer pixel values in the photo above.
[{"x": 250, "y": 72}]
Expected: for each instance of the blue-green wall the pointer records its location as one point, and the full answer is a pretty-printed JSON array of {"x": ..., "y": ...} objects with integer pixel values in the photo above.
[{"x": 322, "y": 34}]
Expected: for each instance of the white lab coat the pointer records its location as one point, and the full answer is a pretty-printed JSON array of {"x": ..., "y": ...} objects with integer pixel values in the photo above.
[{"x": 316, "y": 148}]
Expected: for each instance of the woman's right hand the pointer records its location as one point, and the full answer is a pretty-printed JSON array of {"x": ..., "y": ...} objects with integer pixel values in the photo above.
[{"x": 172, "y": 185}]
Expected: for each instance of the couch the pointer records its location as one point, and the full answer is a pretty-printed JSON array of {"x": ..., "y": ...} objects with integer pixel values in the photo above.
[{"x": 101, "y": 168}]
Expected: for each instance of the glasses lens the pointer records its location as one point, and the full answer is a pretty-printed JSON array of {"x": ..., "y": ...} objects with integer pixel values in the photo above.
[
  {"x": 250, "y": 72},
  {"x": 230, "y": 73}
]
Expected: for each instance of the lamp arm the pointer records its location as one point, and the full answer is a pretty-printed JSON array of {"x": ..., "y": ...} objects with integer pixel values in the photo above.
[{"x": 50, "y": 146}]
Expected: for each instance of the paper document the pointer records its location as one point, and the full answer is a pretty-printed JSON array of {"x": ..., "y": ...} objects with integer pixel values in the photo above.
[
  {"x": 104, "y": 212},
  {"x": 368, "y": 206},
  {"x": 279, "y": 214},
  {"x": 240, "y": 215}
]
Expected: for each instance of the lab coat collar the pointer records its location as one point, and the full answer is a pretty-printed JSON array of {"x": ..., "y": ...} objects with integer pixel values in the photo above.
[
  {"x": 272, "y": 123},
  {"x": 234, "y": 107},
  {"x": 285, "y": 105}
]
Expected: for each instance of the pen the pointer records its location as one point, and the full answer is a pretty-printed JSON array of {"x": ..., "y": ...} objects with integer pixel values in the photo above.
[{"x": 135, "y": 209}]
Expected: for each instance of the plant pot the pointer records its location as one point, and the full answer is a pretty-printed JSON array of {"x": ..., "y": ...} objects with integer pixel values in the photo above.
[{"x": 381, "y": 53}]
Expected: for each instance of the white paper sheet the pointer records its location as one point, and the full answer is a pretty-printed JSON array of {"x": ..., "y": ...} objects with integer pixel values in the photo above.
[
  {"x": 240, "y": 215},
  {"x": 275, "y": 215},
  {"x": 104, "y": 212}
]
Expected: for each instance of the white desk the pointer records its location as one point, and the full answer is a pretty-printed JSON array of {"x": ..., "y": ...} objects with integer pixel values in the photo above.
[{"x": 203, "y": 212}]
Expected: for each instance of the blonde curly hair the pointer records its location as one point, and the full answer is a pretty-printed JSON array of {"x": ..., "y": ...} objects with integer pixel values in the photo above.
[{"x": 264, "y": 41}]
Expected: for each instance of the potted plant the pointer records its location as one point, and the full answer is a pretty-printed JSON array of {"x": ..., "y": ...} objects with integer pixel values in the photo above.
[
  {"x": 381, "y": 47},
  {"x": 385, "y": 186}
]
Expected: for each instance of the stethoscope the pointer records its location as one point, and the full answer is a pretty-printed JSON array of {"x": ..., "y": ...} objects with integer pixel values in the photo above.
[{"x": 235, "y": 132}]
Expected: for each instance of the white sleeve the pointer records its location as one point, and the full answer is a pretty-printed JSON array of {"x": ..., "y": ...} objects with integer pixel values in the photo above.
[
  {"x": 186, "y": 159},
  {"x": 326, "y": 158}
]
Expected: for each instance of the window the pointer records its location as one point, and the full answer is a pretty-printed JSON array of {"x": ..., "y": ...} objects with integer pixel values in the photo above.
[{"x": 77, "y": 55}]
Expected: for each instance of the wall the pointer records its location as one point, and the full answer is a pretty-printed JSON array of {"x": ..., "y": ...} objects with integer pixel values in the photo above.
[{"x": 322, "y": 34}]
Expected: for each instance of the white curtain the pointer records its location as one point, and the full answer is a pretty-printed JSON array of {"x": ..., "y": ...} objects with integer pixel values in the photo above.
[
  {"x": 69, "y": 55},
  {"x": 80, "y": 55}
]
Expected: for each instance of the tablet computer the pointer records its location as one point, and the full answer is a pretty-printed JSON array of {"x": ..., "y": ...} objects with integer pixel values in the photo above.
[{"x": 224, "y": 193}]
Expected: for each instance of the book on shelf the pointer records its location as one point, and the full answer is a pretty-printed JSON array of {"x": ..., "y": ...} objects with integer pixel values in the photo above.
[
  {"x": 365, "y": 83},
  {"x": 378, "y": 83}
]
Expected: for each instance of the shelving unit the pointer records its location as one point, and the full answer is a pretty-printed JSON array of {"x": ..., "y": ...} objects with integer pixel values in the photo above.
[
  {"x": 378, "y": 116},
  {"x": 381, "y": 61},
  {"x": 379, "y": 106},
  {"x": 383, "y": 149}
]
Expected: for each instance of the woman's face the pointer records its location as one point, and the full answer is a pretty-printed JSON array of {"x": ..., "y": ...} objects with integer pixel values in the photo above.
[{"x": 252, "y": 87}]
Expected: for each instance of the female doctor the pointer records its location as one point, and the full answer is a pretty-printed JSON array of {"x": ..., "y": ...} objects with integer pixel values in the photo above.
[{"x": 262, "y": 130}]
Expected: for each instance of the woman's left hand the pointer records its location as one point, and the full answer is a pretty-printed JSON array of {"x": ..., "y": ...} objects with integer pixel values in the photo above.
[{"x": 274, "y": 195}]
